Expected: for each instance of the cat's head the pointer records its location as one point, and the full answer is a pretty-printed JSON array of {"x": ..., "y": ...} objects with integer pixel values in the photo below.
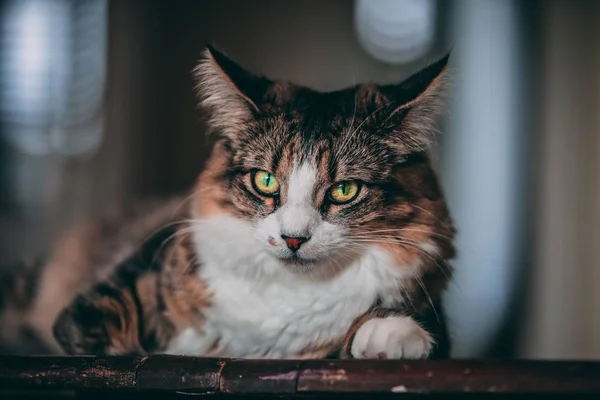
[{"x": 323, "y": 176}]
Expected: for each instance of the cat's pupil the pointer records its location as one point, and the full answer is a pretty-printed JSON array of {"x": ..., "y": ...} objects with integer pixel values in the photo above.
[
  {"x": 267, "y": 180},
  {"x": 343, "y": 189}
]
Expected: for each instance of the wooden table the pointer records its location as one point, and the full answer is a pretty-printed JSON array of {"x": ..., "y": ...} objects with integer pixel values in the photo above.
[{"x": 172, "y": 376}]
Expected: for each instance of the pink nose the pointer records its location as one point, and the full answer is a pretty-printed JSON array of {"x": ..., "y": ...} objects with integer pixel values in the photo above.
[{"x": 294, "y": 243}]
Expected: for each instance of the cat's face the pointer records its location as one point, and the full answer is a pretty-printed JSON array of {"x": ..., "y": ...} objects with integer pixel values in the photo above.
[{"x": 322, "y": 176}]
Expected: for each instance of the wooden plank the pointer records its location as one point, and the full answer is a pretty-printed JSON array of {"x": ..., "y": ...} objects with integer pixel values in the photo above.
[
  {"x": 259, "y": 377},
  {"x": 68, "y": 372},
  {"x": 386, "y": 376},
  {"x": 289, "y": 378},
  {"x": 188, "y": 374}
]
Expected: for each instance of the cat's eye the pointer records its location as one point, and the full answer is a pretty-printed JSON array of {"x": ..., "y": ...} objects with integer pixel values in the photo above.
[
  {"x": 344, "y": 192},
  {"x": 265, "y": 183}
]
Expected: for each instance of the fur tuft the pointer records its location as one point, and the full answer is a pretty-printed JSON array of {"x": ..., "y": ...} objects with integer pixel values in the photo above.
[{"x": 225, "y": 90}]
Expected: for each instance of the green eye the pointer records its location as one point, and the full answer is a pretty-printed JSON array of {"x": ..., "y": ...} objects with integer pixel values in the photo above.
[
  {"x": 265, "y": 183},
  {"x": 344, "y": 192}
]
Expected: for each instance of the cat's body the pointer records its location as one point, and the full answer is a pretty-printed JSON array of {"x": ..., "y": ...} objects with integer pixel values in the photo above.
[{"x": 317, "y": 229}]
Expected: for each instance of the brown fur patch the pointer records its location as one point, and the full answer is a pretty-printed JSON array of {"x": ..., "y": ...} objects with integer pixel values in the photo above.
[
  {"x": 210, "y": 192},
  {"x": 122, "y": 328},
  {"x": 149, "y": 298},
  {"x": 184, "y": 294}
]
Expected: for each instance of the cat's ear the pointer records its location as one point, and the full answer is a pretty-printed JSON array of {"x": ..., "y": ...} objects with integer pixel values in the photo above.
[
  {"x": 412, "y": 108},
  {"x": 228, "y": 93}
]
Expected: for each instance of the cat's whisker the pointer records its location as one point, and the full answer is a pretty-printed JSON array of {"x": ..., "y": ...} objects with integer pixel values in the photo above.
[
  {"x": 412, "y": 245},
  {"x": 347, "y": 257},
  {"x": 444, "y": 224},
  {"x": 168, "y": 239},
  {"x": 407, "y": 295},
  {"x": 180, "y": 234},
  {"x": 442, "y": 236},
  {"x": 355, "y": 131},
  {"x": 193, "y": 260},
  {"x": 186, "y": 231},
  {"x": 422, "y": 285},
  {"x": 369, "y": 117},
  {"x": 345, "y": 139},
  {"x": 164, "y": 226},
  {"x": 345, "y": 246},
  {"x": 184, "y": 202}
]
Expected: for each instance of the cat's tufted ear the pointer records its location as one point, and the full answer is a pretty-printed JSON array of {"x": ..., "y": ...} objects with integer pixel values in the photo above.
[
  {"x": 410, "y": 110},
  {"x": 229, "y": 94}
]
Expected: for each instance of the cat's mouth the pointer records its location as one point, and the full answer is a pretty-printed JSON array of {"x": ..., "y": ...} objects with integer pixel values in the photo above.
[{"x": 296, "y": 260}]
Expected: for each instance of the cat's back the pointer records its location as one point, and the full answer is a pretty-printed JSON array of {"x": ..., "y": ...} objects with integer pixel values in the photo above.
[{"x": 33, "y": 292}]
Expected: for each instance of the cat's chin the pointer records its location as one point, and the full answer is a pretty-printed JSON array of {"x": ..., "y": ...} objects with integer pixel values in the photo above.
[
  {"x": 317, "y": 268},
  {"x": 296, "y": 260}
]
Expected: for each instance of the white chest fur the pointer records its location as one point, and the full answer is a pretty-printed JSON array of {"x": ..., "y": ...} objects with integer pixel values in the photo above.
[{"x": 260, "y": 309}]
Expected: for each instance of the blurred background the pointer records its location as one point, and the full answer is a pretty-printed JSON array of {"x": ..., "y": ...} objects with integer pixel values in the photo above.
[{"x": 97, "y": 109}]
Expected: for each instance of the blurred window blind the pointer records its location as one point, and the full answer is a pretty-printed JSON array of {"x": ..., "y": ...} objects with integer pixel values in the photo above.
[{"x": 52, "y": 74}]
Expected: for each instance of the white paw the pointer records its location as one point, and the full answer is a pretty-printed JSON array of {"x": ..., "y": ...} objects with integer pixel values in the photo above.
[{"x": 392, "y": 338}]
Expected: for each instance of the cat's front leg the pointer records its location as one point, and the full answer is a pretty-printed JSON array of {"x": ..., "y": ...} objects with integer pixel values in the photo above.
[{"x": 387, "y": 334}]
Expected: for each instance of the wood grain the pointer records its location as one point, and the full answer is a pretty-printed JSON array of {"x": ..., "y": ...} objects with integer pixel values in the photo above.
[
  {"x": 192, "y": 375},
  {"x": 260, "y": 377},
  {"x": 385, "y": 376},
  {"x": 68, "y": 372}
]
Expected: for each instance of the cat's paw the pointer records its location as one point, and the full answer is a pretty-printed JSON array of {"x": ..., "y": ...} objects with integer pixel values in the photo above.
[{"x": 391, "y": 338}]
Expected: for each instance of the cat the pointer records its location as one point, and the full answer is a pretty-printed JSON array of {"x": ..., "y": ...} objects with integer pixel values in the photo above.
[{"x": 317, "y": 229}]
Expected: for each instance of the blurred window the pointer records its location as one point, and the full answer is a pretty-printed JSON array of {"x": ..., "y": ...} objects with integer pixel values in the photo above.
[{"x": 52, "y": 74}]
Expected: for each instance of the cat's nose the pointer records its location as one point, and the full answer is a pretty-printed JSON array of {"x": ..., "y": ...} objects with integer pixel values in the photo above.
[{"x": 294, "y": 243}]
